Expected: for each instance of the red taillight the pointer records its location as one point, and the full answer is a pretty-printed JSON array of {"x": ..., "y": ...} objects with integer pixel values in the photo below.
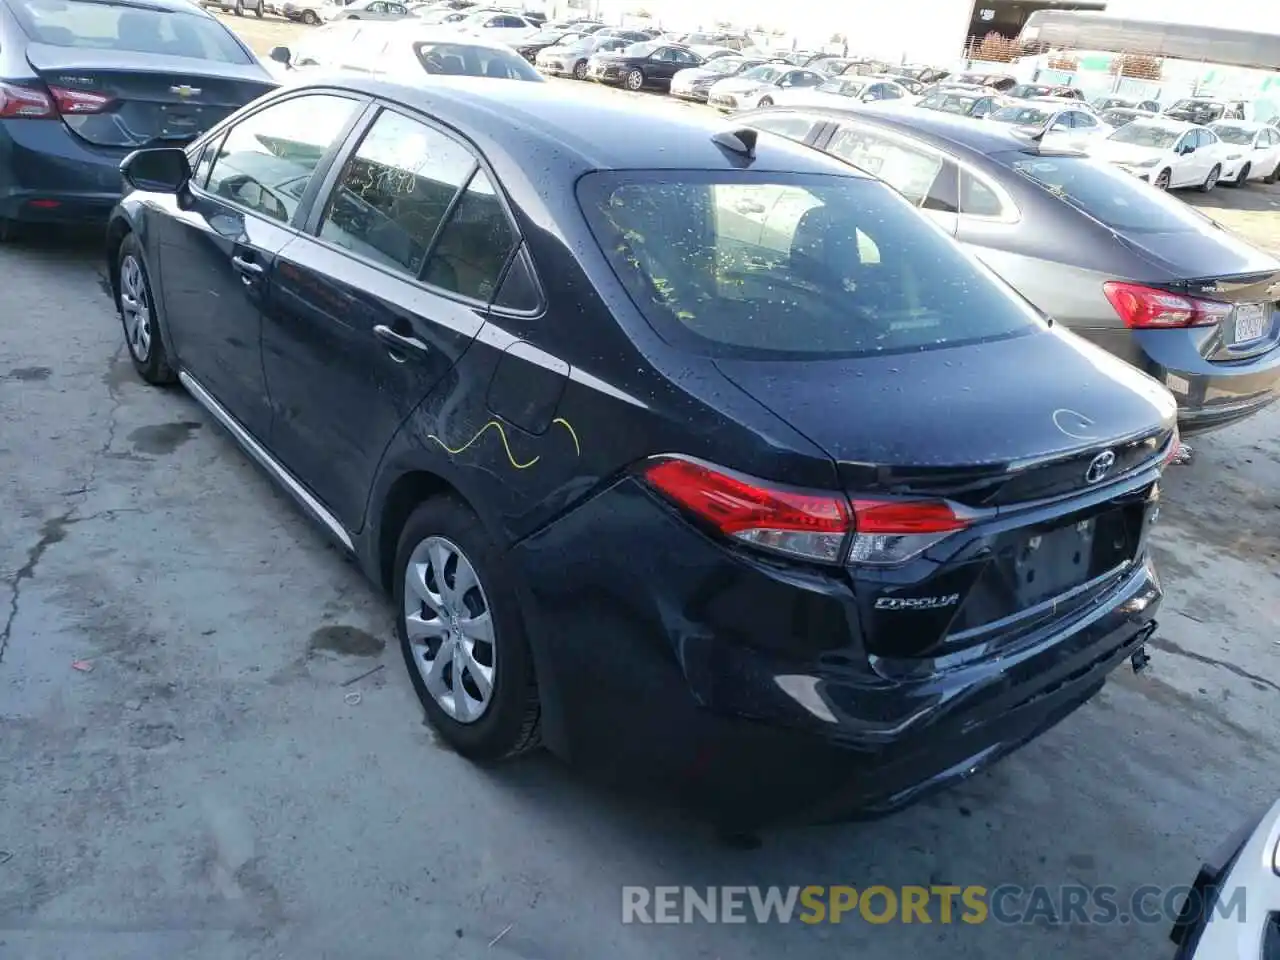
[
  {"x": 1145, "y": 308},
  {"x": 1171, "y": 452},
  {"x": 813, "y": 526},
  {"x": 807, "y": 525},
  {"x": 29, "y": 103},
  {"x": 70, "y": 102},
  {"x": 24, "y": 103}
]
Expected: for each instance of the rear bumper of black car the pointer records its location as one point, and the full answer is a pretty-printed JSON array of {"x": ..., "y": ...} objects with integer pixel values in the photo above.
[
  {"x": 48, "y": 175},
  {"x": 741, "y": 683}
]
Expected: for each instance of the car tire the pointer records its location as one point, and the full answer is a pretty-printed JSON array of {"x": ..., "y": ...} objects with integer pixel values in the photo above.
[
  {"x": 353, "y": 17},
  {"x": 580, "y": 70},
  {"x": 9, "y": 230},
  {"x": 238, "y": 9},
  {"x": 1242, "y": 177},
  {"x": 765, "y": 102},
  {"x": 138, "y": 317},
  {"x": 309, "y": 18},
  {"x": 1163, "y": 179},
  {"x": 1273, "y": 175},
  {"x": 444, "y": 530},
  {"x": 1211, "y": 180},
  {"x": 634, "y": 79},
  {"x": 260, "y": 10}
]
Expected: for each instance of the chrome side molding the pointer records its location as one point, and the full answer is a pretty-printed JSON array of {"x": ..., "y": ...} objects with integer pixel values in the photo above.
[{"x": 269, "y": 463}]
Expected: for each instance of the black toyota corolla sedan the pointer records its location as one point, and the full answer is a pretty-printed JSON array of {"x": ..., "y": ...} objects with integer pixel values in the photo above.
[
  {"x": 680, "y": 449},
  {"x": 83, "y": 82}
]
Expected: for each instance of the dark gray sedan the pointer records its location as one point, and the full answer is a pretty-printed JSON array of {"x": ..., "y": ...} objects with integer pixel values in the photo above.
[{"x": 1130, "y": 268}]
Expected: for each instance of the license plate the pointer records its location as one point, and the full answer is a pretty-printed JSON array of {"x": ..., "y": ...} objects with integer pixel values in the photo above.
[{"x": 1252, "y": 321}]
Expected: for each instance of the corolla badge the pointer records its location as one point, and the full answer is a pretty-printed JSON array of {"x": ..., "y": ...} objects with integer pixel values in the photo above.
[
  {"x": 917, "y": 603},
  {"x": 1100, "y": 466},
  {"x": 184, "y": 91},
  {"x": 1074, "y": 424}
]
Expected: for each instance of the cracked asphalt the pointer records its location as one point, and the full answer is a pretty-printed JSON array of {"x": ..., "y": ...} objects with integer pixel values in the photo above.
[{"x": 188, "y": 770}]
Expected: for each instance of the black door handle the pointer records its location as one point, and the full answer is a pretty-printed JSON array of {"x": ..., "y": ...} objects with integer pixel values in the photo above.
[{"x": 399, "y": 343}]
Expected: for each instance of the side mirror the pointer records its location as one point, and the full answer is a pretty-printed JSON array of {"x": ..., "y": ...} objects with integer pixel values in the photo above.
[
  {"x": 281, "y": 55},
  {"x": 785, "y": 83},
  {"x": 1187, "y": 148},
  {"x": 157, "y": 170}
]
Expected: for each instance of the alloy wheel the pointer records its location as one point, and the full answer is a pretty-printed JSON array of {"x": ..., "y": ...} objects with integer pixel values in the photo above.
[
  {"x": 580, "y": 70},
  {"x": 1211, "y": 181},
  {"x": 635, "y": 80},
  {"x": 1162, "y": 181},
  {"x": 136, "y": 307},
  {"x": 450, "y": 629},
  {"x": 766, "y": 101}
]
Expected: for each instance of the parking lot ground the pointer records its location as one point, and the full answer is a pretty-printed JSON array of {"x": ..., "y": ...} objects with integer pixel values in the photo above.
[{"x": 189, "y": 767}]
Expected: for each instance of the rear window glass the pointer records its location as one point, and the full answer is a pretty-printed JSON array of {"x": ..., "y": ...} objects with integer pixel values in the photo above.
[
  {"x": 1109, "y": 195},
  {"x": 1142, "y": 134},
  {"x": 113, "y": 26},
  {"x": 1024, "y": 116},
  {"x": 464, "y": 59},
  {"x": 949, "y": 102},
  {"x": 1228, "y": 133},
  {"x": 776, "y": 266}
]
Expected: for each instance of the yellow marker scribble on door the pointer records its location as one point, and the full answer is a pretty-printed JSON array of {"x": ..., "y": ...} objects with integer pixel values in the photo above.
[
  {"x": 506, "y": 444},
  {"x": 480, "y": 433},
  {"x": 577, "y": 447}
]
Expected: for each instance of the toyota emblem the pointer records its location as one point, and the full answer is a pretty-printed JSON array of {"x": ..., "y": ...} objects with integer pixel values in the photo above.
[{"x": 1100, "y": 466}]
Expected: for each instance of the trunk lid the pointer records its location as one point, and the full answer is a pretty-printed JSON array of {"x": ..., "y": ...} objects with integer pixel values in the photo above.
[
  {"x": 1214, "y": 265},
  {"x": 153, "y": 99},
  {"x": 1009, "y": 429},
  {"x": 988, "y": 425}
]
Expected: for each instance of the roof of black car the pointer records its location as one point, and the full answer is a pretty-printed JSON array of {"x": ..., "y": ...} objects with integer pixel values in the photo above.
[
  {"x": 987, "y": 138},
  {"x": 571, "y": 131}
]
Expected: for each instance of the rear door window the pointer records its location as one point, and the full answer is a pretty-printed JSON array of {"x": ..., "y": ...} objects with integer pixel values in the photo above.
[
  {"x": 977, "y": 199},
  {"x": 912, "y": 172},
  {"x": 394, "y": 191},
  {"x": 474, "y": 244},
  {"x": 734, "y": 263},
  {"x": 267, "y": 160}
]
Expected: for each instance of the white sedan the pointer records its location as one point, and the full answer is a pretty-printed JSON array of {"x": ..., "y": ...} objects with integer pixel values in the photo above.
[
  {"x": 839, "y": 91},
  {"x": 760, "y": 86},
  {"x": 1168, "y": 154},
  {"x": 503, "y": 27},
  {"x": 1064, "y": 122},
  {"x": 1252, "y": 151}
]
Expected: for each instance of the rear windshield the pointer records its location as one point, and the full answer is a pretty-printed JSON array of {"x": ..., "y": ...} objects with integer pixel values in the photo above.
[
  {"x": 1228, "y": 133},
  {"x": 949, "y": 102},
  {"x": 786, "y": 265},
  {"x": 764, "y": 74},
  {"x": 1196, "y": 111},
  {"x": 1024, "y": 116},
  {"x": 1118, "y": 118},
  {"x": 467, "y": 60},
  {"x": 1147, "y": 135},
  {"x": 116, "y": 26},
  {"x": 1109, "y": 195},
  {"x": 845, "y": 88}
]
